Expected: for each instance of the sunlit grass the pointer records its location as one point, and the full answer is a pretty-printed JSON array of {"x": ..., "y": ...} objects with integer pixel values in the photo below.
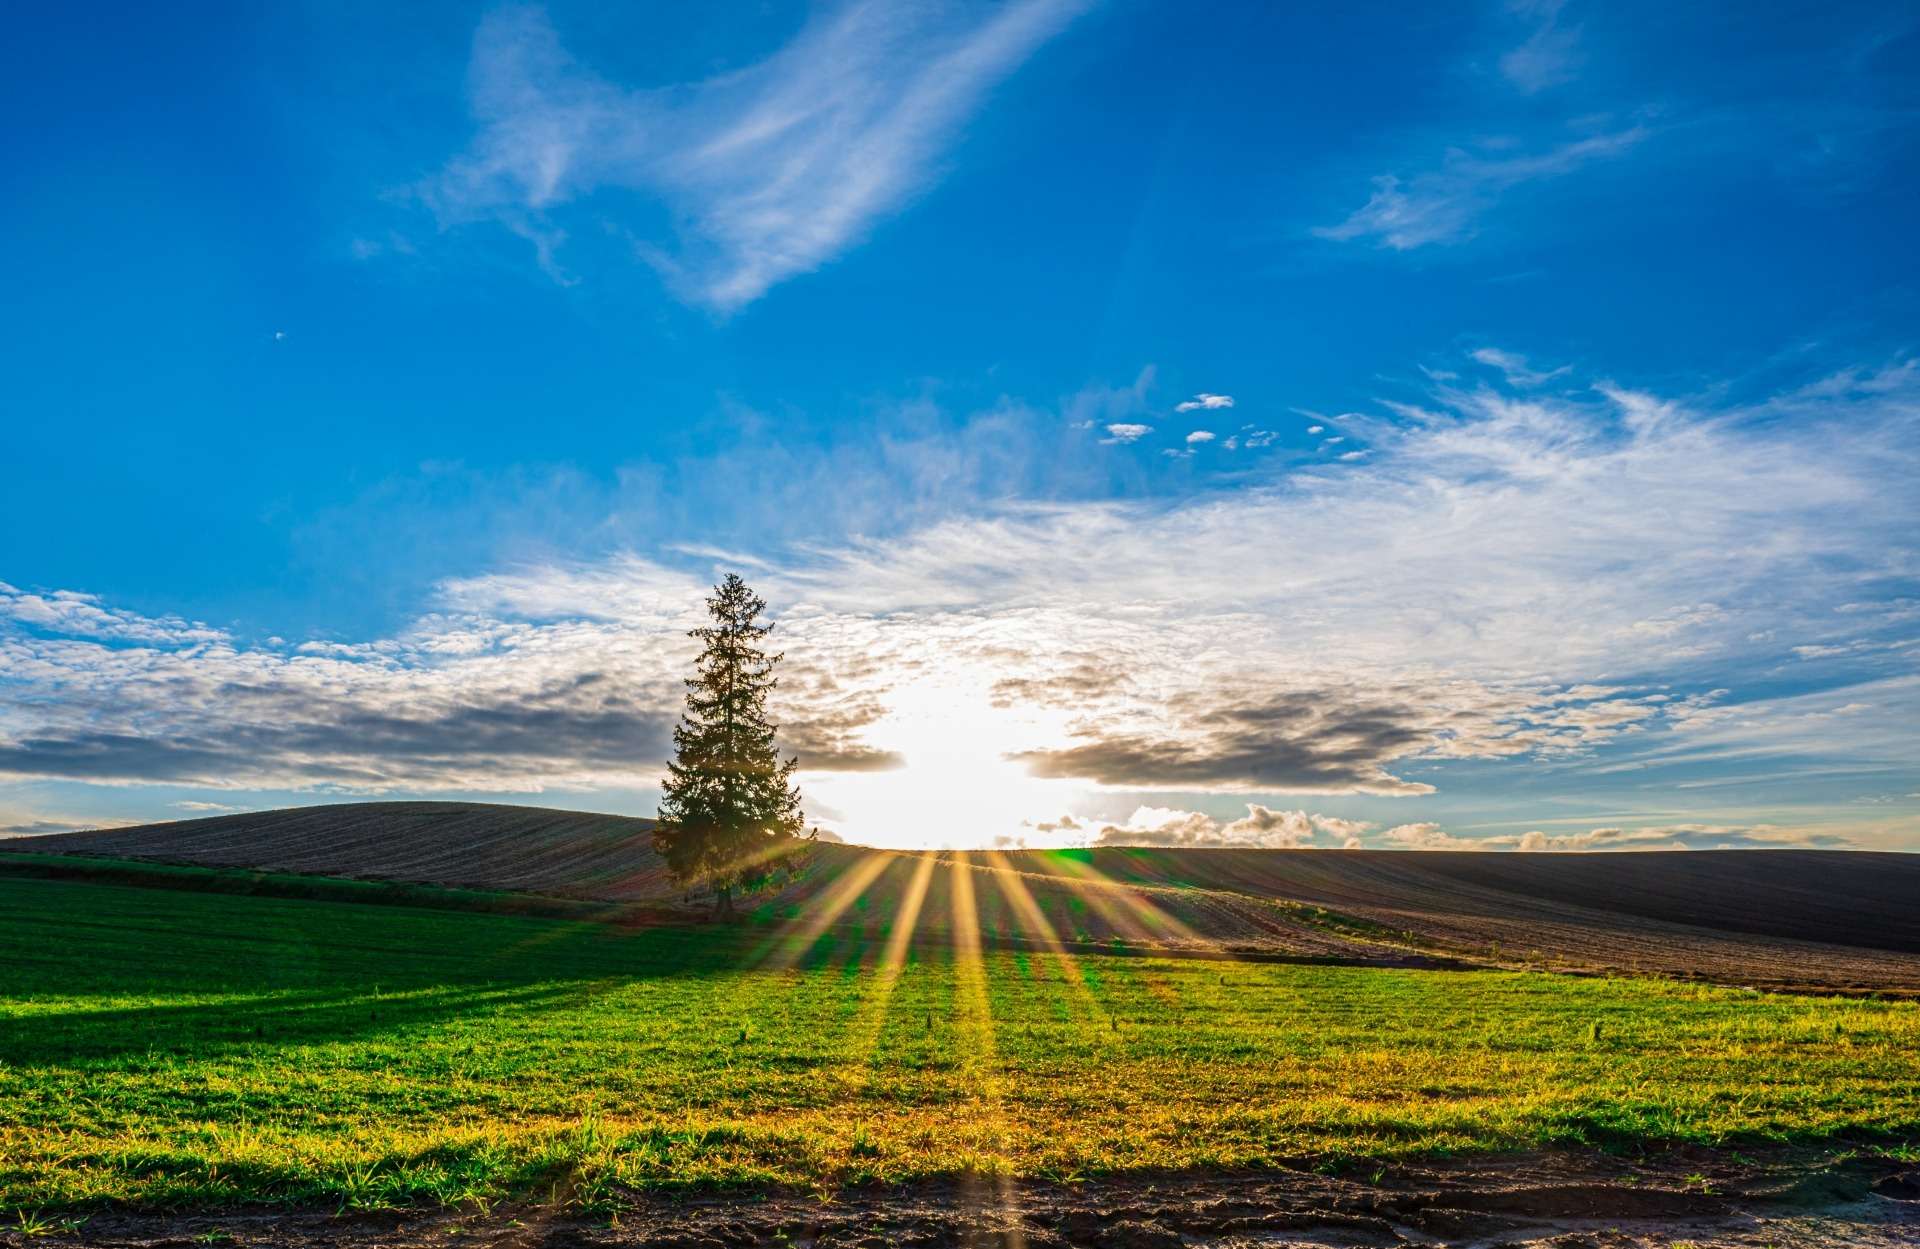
[{"x": 168, "y": 1047}]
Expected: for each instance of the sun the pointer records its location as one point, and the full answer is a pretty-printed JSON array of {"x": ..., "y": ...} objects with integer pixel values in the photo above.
[{"x": 957, "y": 789}]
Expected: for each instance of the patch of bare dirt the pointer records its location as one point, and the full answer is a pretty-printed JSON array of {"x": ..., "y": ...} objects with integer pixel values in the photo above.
[{"x": 1560, "y": 1200}]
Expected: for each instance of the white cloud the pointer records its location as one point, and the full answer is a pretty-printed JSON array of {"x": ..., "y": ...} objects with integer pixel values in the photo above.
[
  {"x": 1515, "y": 368},
  {"x": 1260, "y": 828},
  {"x": 1670, "y": 837},
  {"x": 1550, "y": 54},
  {"x": 1443, "y": 205},
  {"x": 1125, "y": 432},
  {"x": 1459, "y": 595},
  {"x": 1204, "y": 402},
  {"x": 16, "y": 823},
  {"x": 1199, "y": 436},
  {"x": 1100, "y": 405},
  {"x": 773, "y": 170},
  {"x": 1343, "y": 830},
  {"x": 1316, "y": 429},
  {"x": 81, "y": 615},
  {"x": 1429, "y": 836}
]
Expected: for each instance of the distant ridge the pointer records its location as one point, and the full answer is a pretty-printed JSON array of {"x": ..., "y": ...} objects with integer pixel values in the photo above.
[{"x": 1819, "y": 920}]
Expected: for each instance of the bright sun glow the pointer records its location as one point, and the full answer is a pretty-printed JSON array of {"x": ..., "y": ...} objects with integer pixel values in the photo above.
[{"x": 958, "y": 789}]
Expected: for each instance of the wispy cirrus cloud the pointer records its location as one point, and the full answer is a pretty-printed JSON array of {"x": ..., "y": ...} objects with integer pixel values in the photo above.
[
  {"x": 1431, "y": 836},
  {"x": 1445, "y": 204},
  {"x": 1515, "y": 367},
  {"x": 1266, "y": 828},
  {"x": 33, "y": 826},
  {"x": 1551, "y": 52},
  {"x": 771, "y": 171},
  {"x": 1676, "y": 837}
]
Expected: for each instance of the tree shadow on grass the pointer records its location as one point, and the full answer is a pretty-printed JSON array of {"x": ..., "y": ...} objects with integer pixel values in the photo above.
[
  {"x": 213, "y": 1030},
  {"x": 65, "y": 940}
]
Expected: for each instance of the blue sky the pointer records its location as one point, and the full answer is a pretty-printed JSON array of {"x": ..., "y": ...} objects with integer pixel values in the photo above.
[{"x": 1495, "y": 423}]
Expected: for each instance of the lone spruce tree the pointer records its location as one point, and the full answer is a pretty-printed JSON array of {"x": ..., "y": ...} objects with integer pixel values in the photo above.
[{"x": 729, "y": 807}]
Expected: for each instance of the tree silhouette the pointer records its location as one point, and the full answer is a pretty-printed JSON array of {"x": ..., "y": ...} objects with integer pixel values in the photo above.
[{"x": 729, "y": 815}]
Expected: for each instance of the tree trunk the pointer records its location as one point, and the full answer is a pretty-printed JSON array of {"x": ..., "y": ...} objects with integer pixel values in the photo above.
[{"x": 723, "y": 902}]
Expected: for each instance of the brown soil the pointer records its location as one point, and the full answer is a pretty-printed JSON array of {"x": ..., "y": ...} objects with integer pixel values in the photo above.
[
  {"x": 1570, "y": 1201},
  {"x": 465, "y": 844},
  {"x": 1818, "y": 921}
]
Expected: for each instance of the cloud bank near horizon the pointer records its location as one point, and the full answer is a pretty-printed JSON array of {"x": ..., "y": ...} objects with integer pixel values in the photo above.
[{"x": 1457, "y": 598}]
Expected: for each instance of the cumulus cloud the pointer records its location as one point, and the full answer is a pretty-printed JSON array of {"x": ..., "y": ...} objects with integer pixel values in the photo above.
[
  {"x": 1429, "y": 836},
  {"x": 1204, "y": 402},
  {"x": 1161, "y": 826},
  {"x": 1198, "y": 436},
  {"x": 1261, "y": 827},
  {"x": 771, "y": 170},
  {"x": 1341, "y": 830},
  {"x": 74, "y": 614},
  {"x": 1124, "y": 432},
  {"x": 1444, "y": 204}
]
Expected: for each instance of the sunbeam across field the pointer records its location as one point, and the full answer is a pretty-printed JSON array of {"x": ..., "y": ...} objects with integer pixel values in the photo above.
[{"x": 180, "y": 1047}]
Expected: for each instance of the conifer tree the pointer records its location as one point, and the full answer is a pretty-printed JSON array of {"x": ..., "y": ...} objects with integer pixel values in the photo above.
[{"x": 729, "y": 811}]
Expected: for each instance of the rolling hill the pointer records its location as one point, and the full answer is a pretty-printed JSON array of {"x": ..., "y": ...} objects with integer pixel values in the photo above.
[
  {"x": 1816, "y": 920},
  {"x": 466, "y": 844}
]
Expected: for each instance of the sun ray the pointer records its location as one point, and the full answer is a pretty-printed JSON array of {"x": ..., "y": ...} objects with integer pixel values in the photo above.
[
  {"x": 788, "y": 943},
  {"x": 975, "y": 1009},
  {"x": 1104, "y": 896},
  {"x": 1013, "y": 887},
  {"x": 893, "y": 960},
  {"x": 1128, "y": 907}
]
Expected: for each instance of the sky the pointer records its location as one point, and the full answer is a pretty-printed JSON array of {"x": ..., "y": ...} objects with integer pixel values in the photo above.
[{"x": 1488, "y": 426}]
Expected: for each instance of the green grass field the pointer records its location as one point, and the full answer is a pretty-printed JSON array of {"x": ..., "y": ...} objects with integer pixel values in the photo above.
[{"x": 169, "y": 1047}]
